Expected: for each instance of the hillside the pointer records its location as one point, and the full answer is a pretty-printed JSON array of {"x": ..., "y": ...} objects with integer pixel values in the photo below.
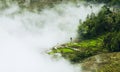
[
  {"x": 98, "y": 43},
  {"x": 106, "y": 62}
]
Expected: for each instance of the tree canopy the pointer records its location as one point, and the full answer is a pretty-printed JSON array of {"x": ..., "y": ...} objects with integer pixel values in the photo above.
[{"x": 107, "y": 23}]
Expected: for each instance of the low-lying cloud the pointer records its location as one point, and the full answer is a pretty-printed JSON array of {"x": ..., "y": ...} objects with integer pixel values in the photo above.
[{"x": 24, "y": 35}]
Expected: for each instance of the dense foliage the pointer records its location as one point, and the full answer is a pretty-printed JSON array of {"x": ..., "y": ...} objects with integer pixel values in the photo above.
[
  {"x": 112, "y": 41},
  {"x": 108, "y": 2},
  {"x": 107, "y": 23}
]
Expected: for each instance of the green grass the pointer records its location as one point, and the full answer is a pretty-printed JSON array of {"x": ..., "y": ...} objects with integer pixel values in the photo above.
[
  {"x": 77, "y": 52},
  {"x": 87, "y": 43}
]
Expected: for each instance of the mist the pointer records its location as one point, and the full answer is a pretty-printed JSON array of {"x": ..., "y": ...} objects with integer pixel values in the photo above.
[{"x": 25, "y": 36}]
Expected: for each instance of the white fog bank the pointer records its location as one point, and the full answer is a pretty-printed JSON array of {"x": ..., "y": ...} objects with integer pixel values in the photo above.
[{"x": 24, "y": 36}]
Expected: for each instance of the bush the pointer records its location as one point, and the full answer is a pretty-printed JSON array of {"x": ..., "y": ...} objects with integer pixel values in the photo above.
[
  {"x": 80, "y": 56},
  {"x": 112, "y": 41}
]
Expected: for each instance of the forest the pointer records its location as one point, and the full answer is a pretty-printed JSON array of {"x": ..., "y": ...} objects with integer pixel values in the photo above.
[{"x": 106, "y": 23}]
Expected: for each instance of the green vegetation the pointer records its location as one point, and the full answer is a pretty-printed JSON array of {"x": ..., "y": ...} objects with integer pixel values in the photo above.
[
  {"x": 29, "y": 4},
  {"x": 112, "y": 42},
  {"x": 106, "y": 62},
  {"x": 106, "y": 23},
  {"x": 108, "y": 2},
  {"x": 38, "y": 4},
  {"x": 76, "y": 52},
  {"x": 97, "y": 34},
  {"x": 62, "y": 50},
  {"x": 32, "y": 4}
]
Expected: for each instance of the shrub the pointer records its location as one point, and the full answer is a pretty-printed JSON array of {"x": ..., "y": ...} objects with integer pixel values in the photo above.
[{"x": 112, "y": 41}]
